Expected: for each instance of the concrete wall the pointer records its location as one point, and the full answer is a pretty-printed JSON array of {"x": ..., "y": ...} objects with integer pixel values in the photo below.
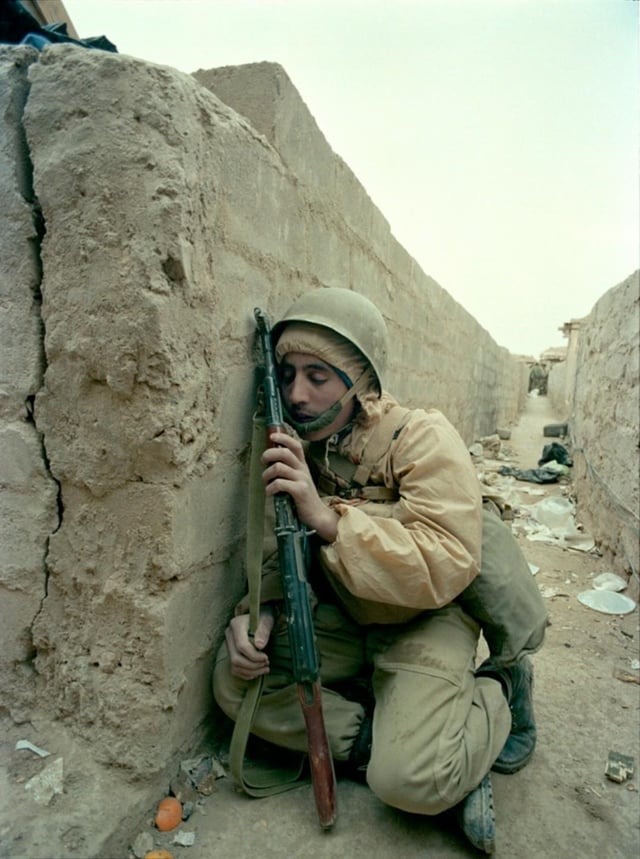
[
  {"x": 605, "y": 423},
  {"x": 28, "y": 492},
  {"x": 166, "y": 217},
  {"x": 562, "y": 375}
]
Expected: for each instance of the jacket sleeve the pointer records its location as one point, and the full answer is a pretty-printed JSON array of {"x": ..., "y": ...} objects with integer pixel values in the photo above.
[{"x": 428, "y": 551}]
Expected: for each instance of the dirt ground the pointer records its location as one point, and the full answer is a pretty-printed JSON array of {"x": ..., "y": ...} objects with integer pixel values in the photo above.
[{"x": 587, "y": 700}]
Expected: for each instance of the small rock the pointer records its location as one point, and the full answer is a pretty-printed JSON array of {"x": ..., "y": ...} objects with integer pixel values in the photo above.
[
  {"x": 184, "y": 839},
  {"x": 202, "y": 773},
  {"x": 46, "y": 784},
  {"x": 142, "y": 844}
]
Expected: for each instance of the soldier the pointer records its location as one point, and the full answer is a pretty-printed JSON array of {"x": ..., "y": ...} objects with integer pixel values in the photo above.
[{"x": 397, "y": 512}]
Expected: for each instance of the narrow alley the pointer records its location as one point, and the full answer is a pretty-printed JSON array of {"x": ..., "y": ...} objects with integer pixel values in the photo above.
[{"x": 561, "y": 805}]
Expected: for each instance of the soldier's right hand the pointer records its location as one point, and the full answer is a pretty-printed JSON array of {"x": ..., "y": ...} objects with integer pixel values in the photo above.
[{"x": 246, "y": 655}]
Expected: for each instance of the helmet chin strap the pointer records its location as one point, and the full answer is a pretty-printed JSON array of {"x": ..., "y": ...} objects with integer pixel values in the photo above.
[{"x": 327, "y": 417}]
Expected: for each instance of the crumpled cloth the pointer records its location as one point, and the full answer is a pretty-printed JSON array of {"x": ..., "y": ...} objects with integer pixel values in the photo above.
[{"x": 532, "y": 475}]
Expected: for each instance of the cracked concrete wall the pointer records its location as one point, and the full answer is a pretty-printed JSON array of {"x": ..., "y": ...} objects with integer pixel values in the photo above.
[
  {"x": 605, "y": 423},
  {"x": 166, "y": 217},
  {"x": 28, "y": 493}
]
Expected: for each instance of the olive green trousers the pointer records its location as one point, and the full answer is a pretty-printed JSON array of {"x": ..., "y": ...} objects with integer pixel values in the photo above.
[{"x": 437, "y": 729}]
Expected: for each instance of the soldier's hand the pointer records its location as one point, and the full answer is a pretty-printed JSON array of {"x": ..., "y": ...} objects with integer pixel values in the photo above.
[
  {"x": 287, "y": 471},
  {"x": 246, "y": 655}
]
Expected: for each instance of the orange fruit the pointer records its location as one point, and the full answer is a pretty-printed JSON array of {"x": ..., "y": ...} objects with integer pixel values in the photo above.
[{"x": 168, "y": 814}]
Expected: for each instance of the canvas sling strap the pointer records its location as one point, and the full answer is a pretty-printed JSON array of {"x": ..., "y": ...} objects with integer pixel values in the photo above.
[{"x": 260, "y": 780}]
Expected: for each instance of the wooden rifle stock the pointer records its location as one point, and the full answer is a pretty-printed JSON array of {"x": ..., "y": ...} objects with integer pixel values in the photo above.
[{"x": 292, "y": 554}]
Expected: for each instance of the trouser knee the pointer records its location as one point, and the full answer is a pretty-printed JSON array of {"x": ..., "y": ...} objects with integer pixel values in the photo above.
[{"x": 428, "y": 788}]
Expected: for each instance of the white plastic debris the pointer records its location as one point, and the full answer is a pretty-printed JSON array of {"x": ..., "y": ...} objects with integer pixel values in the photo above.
[
  {"x": 25, "y": 744},
  {"x": 555, "y": 512},
  {"x": 534, "y": 569},
  {"x": 185, "y": 839},
  {"x": 46, "y": 784},
  {"x": 607, "y": 602},
  {"x": 552, "y": 522},
  {"x": 609, "y": 582}
]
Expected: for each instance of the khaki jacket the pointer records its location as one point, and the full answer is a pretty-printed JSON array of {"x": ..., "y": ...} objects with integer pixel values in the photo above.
[{"x": 394, "y": 560}]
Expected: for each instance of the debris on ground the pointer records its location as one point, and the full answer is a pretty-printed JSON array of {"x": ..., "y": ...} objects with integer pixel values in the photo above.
[
  {"x": 607, "y": 602},
  {"x": 184, "y": 839},
  {"x": 532, "y": 475},
  {"x": 555, "y": 430},
  {"x": 169, "y": 814},
  {"x": 25, "y": 744},
  {"x": 555, "y": 452},
  {"x": 619, "y": 767},
  {"x": 47, "y": 784},
  {"x": 629, "y": 674},
  {"x": 608, "y": 582},
  {"x": 142, "y": 845},
  {"x": 197, "y": 777}
]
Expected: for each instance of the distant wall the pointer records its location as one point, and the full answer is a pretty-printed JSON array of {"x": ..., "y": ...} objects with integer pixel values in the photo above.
[
  {"x": 144, "y": 220},
  {"x": 605, "y": 423},
  {"x": 562, "y": 376}
]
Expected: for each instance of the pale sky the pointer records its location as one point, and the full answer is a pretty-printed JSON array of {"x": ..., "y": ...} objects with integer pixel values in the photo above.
[{"x": 499, "y": 138}]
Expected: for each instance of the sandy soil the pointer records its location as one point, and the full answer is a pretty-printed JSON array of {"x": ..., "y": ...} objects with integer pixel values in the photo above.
[{"x": 561, "y": 805}]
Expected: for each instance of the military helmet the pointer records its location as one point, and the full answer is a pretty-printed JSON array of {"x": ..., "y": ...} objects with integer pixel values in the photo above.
[{"x": 347, "y": 313}]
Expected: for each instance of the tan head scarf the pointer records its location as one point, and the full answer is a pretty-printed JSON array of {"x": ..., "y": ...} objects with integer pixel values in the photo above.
[{"x": 334, "y": 350}]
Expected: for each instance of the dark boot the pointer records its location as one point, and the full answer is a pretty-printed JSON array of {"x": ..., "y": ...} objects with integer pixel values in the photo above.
[
  {"x": 476, "y": 816},
  {"x": 517, "y": 683},
  {"x": 356, "y": 767}
]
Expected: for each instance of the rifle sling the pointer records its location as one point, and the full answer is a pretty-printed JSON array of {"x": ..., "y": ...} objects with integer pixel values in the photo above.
[{"x": 261, "y": 782}]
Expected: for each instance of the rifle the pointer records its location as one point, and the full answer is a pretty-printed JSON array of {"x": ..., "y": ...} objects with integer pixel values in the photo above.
[{"x": 291, "y": 537}]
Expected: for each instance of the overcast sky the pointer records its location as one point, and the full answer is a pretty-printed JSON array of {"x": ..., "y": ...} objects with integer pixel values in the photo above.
[{"x": 499, "y": 138}]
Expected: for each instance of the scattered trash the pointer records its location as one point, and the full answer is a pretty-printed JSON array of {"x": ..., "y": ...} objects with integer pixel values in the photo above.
[
  {"x": 557, "y": 467},
  {"x": 534, "y": 569},
  {"x": 555, "y": 512},
  {"x": 184, "y": 839},
  {"x": 476, "y": 449},
  {"x": 491, "y": 444},
  {"x": 608, "y": 582},
  {"x": 555, "y": 452},
  {"x": 548, "y": 592},
  {"x": 25, "y": 744},
  {"x": 158, "y": 854},
  {"x": 533, "y": 475},
  {"x": 168, "y": 814},
  {"x": 553, "y": 522},
  {"x": 619, "y": 767},
  {"x": 47, "y": 784},
  {"x": 627, "y": 675},
  {"x": 607, "y": 602},
  {"x": 555, "y": 430}
]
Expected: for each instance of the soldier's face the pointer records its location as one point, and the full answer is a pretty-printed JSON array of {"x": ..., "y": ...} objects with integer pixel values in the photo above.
[{"x": 309, "y": 387}]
